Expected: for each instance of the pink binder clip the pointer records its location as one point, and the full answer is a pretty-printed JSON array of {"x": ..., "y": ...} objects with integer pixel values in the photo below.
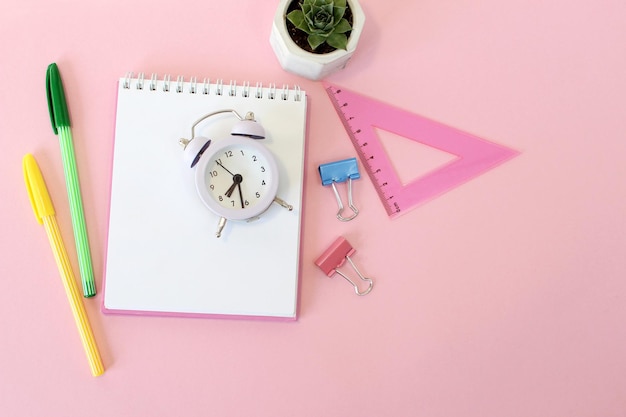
[{"x": 335, "y": 256}]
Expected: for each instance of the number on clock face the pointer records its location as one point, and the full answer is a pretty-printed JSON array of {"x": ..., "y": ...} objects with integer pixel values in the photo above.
[{"x": 237, "y": 177}]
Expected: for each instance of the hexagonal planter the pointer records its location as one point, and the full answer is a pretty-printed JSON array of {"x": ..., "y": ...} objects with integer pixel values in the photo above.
[{"x": 308, "y": 64}]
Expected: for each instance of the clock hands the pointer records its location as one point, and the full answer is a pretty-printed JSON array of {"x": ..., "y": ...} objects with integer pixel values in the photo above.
[
  {"x": 226, "y": 169},
  {"x": 261, "y": 183},
  {"x": 230, "y": 190},
  {"x": 240, "y": 194},
  {"x": 237, "y": 179}
]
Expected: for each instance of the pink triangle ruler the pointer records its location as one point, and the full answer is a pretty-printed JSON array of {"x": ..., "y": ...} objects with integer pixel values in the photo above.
[{"x": 360, "y": 115}]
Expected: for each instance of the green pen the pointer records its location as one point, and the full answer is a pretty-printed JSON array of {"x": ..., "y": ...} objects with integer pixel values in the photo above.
[{"x": 60, "y": 118}]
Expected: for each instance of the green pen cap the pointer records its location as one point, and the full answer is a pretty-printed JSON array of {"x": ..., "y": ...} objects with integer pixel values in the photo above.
[{"x": 57, "y": 106}]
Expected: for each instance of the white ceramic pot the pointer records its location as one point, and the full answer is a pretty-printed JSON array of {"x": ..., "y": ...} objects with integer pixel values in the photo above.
[{"x": 307, "y": 64}]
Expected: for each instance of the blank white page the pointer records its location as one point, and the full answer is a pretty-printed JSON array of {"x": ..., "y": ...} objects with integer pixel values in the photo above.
[{"x": 162, "y": 254}]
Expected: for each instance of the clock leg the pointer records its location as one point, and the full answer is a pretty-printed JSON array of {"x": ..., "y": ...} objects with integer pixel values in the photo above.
[
  {"x": 220, "y": 226},
  {"x": 283, "y": 203}
]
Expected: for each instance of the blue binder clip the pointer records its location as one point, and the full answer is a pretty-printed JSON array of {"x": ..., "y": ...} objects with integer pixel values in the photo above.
[{"x": 341, "y": 171}]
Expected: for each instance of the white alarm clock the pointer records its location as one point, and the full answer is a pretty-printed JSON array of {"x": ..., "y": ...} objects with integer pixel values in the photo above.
[{"x": 236, "y": 176}]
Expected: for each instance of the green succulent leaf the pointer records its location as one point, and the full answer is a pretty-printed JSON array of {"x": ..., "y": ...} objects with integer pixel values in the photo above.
[
  {"x": 338, "y": 40},
  {"x": 316, "y": 40},
  {"x": 297, "y": 18},
  {"x": 343, "y": 26},
  {"x": 338, "y": 13},
  {"x": 323, "y": 21}
]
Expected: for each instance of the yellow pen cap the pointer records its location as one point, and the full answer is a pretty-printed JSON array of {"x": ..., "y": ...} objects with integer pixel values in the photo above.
[{"x": 37, "y": 190}]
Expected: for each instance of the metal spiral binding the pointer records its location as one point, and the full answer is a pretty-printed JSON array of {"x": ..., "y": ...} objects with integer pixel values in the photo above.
[
  {"x": 153, "y": 82},
  {"x": 126, "y": 84},
  {"x": 246, "y": 89},
  {"x": 218, "y": 86},
  {"x": 140, "y": 79},
  {"x": 206, "y": 87},
  {"x": 284, "y": 95}
]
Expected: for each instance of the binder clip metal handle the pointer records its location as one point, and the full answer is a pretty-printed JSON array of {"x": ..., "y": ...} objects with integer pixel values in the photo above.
[
  {"x": 355, "y": 211},
  {"x": 341, "y": 171},
  {"x": 335, "y": 256}
]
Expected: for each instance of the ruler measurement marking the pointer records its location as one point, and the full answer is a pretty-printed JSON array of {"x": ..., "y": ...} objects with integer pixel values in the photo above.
[
  {"x": 375, "y": 172},
  {"x": 360, "y": 115}
]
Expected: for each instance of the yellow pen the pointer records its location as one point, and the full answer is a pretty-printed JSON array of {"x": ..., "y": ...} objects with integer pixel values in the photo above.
[{"x": 44, "y": 212}]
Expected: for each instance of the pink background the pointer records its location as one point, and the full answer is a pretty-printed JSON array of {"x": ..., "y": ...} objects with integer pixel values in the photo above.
[{"x": 503, "y": 297}]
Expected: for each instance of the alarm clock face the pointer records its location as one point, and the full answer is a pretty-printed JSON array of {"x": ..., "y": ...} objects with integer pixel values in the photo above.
[{"x": 237, "y": 178}]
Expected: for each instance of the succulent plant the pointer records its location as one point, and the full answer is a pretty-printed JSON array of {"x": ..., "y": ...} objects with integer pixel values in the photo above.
[{"x": 323, "y": 21}]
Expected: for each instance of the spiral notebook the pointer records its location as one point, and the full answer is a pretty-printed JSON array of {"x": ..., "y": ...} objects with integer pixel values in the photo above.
[{"x": 163, "y": 257}]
